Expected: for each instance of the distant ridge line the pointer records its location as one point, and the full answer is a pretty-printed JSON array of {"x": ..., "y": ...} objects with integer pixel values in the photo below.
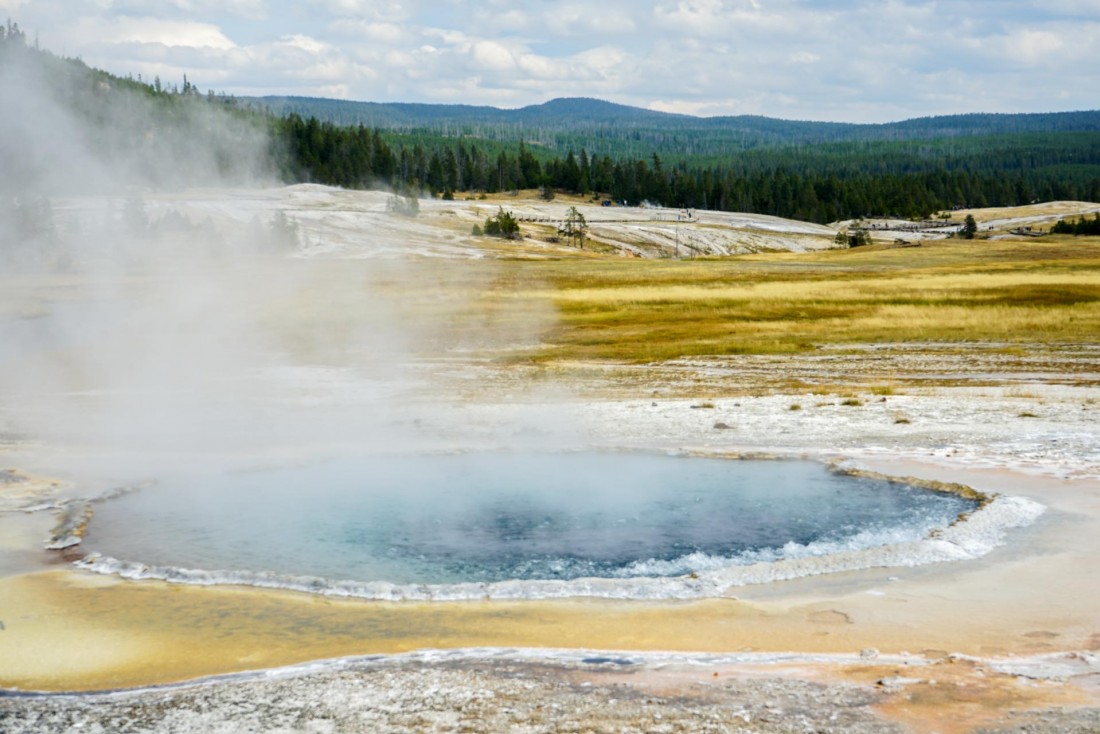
[
  {"x": 592, "y": 106},
  {"x": 573, "y": 122}
]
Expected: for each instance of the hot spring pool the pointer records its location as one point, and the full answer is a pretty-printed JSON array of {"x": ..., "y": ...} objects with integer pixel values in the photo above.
[{"x": 459, "y": 521}]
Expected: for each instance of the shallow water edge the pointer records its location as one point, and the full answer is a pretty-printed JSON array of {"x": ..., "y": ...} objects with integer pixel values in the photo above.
[{"x": 972, "y": 535}]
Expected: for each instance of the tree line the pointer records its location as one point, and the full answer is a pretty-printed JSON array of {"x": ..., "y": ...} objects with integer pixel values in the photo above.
[
  {"x": 1078, "y": 227},
  {"x": 823, "y": 184}
]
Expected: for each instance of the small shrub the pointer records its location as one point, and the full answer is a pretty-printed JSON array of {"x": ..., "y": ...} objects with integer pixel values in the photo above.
[
  {"x": 795, "y": 406},
  {"x": 502, "y": 225},
  {"x": 859, "y": 238},
  {"x": 852, "y": 402}
]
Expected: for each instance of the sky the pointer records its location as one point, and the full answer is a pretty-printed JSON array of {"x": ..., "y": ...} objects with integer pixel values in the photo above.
[{"x": 838, "y": 60}]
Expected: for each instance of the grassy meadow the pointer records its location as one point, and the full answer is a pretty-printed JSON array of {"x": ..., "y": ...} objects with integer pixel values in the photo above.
[{"x": 950, "y": 292}]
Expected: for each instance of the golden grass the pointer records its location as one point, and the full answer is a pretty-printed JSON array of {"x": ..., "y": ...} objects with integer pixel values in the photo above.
[
  {"x": 643, "y": 311},
  {"x": 969, "y": 286}
]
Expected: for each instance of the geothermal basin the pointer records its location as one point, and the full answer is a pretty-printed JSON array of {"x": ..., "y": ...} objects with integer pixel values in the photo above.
[{"x": 509, "y": 524}]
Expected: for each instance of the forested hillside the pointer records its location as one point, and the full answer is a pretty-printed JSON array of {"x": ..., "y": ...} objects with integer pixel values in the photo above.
[
  {"x": 820, "y": 183},
  {"x": 106, "y": 128},
  {"x": 811, "y": 171},
  {"x": 605, "y": 128}
]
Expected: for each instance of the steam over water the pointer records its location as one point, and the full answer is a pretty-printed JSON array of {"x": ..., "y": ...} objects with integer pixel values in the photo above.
[{"x": 493, "y": 517}]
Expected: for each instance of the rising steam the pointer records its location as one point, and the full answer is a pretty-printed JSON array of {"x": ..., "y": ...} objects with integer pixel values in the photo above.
[{"x": 152, "y": 307}]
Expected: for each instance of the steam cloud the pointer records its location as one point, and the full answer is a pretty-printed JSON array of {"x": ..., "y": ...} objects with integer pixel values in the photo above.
[{"x": 143, "y": 327}]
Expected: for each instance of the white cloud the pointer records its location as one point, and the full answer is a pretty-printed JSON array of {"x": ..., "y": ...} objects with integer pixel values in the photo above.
[
  {"x": 1074, "y": 7},
  {"x": 494, "y": 56},
  {"x": 447, "y": 36},
  {"x": 1035, "y": 46},
  {"x": 701, "y": 17},
  {"x": 811, "y": 59},
  {"x": 711, "y": 18},
  {"x": 688, "y": 107},
  {"x": 804, "y": 57},
  {"x": 604, "y": 19},
  {"x": 251, "y": 9},
  {"x": 511, "y": 19},
  {"x": 385, "y": 33},
  {"x": 336, "y": 91},
  {"x": 305, "y": 43},
  {"x": 384, "y": 10},
  {"x": 540, "y": 67},
  {"x": 154, "y": 31},
  {"x": 399, "y": 59}
]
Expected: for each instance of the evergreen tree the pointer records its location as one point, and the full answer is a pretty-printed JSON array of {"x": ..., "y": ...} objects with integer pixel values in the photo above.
[
  {"x": 969, "y": 228},
  {"x": 502, "y": 225},
  {"x": 570, "y": 176},
  {"x": 574, "y": 227}
]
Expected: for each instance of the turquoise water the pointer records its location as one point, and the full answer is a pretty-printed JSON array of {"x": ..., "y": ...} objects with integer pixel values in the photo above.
[{"x": 486, "y": 517}]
